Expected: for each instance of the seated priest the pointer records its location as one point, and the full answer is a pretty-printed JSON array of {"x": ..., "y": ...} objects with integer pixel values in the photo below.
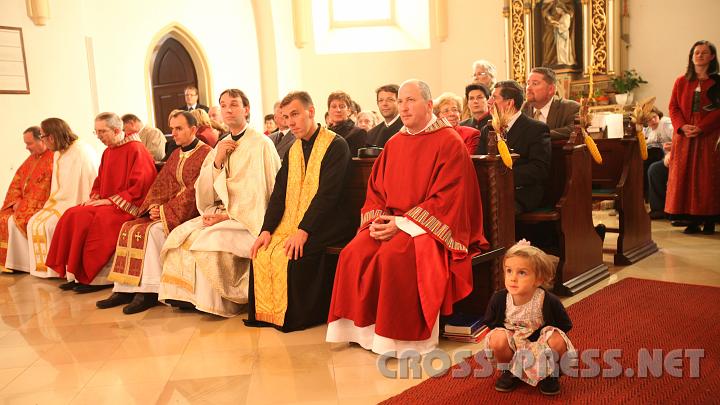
[
  {"x": 528, "y": 138},
  {"x": 84, "y": 242},
  {"x": 28, "y": 191},
  {"x": 411, "y": 259},
  {"x": 136, "y": 268},
  {"x": 290, "y": 281},
  {"x": 386, "y": 97},
  {"x": 206, "y": 260},
  {"x": 542, "y": 104},
  {"x": 74, "y": 170}
]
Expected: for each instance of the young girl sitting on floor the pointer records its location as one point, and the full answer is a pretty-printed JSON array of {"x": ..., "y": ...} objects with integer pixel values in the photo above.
[{"x": 524, "y": 317}]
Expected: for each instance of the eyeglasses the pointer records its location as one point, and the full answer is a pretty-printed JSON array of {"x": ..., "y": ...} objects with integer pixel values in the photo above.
[{"x": 481, "y": 74}]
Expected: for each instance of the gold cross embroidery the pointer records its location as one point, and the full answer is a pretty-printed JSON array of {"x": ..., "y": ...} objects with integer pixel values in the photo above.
[
  {"x": 124, "y": 235},
  {"x": 138, "y": 236}
]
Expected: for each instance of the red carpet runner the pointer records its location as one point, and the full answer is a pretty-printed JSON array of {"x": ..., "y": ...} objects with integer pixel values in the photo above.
[{"x": 630, "y": 315}]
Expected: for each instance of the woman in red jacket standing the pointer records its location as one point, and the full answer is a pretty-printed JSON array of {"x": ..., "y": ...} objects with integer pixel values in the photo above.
[{"x": 694, "y": 180}]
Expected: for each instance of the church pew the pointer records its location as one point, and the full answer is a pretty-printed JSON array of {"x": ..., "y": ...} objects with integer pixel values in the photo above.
[
  {"x": 568, "y": 218},
  {"x": 620, "y": 178},
  {"x": 497, "y": 193}
]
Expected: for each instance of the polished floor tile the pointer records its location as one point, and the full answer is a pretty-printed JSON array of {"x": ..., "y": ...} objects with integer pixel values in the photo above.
[{"x": 57, "y": 348}]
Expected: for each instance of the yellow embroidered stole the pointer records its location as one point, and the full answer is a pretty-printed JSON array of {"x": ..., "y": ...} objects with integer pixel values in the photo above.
[{"x": 271, "y": 264}]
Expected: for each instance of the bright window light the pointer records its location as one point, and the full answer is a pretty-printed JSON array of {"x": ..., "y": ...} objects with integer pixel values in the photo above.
[{"x": 350, "y": 11}]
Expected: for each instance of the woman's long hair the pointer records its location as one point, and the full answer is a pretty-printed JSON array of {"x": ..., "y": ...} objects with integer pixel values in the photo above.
[
  {"x": 62, "y": 135},
  {"x": 713, "y": 68}
]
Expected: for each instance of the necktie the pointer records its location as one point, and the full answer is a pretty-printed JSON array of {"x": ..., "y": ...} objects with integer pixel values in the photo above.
[{"x": 537, "y": 115}]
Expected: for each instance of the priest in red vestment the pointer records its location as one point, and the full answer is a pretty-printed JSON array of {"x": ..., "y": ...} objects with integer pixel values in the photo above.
[
  {"x": 85, "y": 237},
  {"x": 693, "y": 189},
  {"x": 28, "y": 191},
  {"x": 420, "y": 226}
]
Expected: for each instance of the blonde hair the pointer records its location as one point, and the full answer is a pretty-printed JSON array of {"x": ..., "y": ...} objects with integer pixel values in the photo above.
[
  {"x": 540, "y": 261},
  {"x": 445, "y": 98},
  {"x": 202, "y": 118}
]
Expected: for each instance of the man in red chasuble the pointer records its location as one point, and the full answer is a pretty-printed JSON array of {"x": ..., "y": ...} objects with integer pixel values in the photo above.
[
  {"x": 85, "y": 237},
  {"x": 420, "y": 226},
  {"x": 28, "y": 190},
  {"x": 137, "y": 268}
]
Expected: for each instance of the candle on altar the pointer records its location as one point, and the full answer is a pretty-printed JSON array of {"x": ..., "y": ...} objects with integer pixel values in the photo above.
[{"x": 591, "y": 94}]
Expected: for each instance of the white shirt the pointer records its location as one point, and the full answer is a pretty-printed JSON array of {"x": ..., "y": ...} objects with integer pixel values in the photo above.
[
  {"x": 513, "y": 119},
  {"x": 543, "y": 112},
  {"x": 663, "y": 133},
  {"x": 388, "y": 124}
]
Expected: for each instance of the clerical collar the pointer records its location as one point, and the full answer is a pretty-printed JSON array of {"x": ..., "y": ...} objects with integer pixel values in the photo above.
[
  {"x": 311, "y": 141},
  {"x": 191, "y": 146},
  {"x": 513, "y": 119},
  {"x": 432, "y": 121},
  {"x": 389, "y": 124},
  {"x": 238, "y": 136}
]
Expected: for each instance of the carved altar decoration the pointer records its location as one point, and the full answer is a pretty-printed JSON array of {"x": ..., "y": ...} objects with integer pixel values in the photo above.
[{"x": 579, "y": 39}]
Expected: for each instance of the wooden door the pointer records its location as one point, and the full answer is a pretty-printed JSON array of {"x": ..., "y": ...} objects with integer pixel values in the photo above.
[{"x": 172, "y": 72}]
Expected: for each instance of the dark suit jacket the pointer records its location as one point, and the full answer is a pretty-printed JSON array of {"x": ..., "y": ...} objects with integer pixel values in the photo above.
[
  {"x": 561, "y": 116},
  {"x": 282, "y": 142},
  {"x": 477, "y": 124},
  {"x": 354, "y": 135},
  {"x": 204, "y": 107},
  {"x": 530, "y": 139},
  {"x": 381, "y": 133}
]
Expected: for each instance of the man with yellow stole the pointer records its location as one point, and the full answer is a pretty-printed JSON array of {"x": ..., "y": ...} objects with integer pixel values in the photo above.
[
  {"x": 28, "y": 191},
  {"x": 290, "y": 283},
  {"x": 74, "y": 169},
  {"x": 136, "y": 268},
  {"x": 206, "y": 260}
]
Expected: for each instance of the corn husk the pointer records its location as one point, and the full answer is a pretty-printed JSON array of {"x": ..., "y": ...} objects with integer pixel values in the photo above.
[
  {"x": 500, "y": 120},
  {"x": 592, "y": 147},
  {"x": 642, "y": 111},
  {"x": 504, "y": 153},
  {"x": 642, "y": 144}
]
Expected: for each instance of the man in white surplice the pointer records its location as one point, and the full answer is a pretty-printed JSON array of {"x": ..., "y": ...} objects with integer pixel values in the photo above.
[
  {"x": 206, "y": 260},
  {"x": 75, "y": 166}
]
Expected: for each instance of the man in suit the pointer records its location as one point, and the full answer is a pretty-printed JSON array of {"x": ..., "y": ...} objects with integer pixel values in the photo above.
[
  {"x": 559, "y": 114},
  {"x": 282, "y": 138},
  {"x": 386, "y": 97},
  {"x": 528, "y": 138},
  {"x": 191, "y": 100}
]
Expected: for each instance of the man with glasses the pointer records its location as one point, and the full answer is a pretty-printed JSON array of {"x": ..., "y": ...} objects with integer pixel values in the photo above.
[
  {"x": 28, "y": 191},
  {"x": 386, "y": 97},
  {"x": 528, "y": 138},
  {"x": 191, "y": 100},
  {"x": 85, "y": 237}
]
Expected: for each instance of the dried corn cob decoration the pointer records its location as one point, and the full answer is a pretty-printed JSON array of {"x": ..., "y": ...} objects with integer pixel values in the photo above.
[
  {"x": 640, "y": 116},
  {"x": 592, "y": 147},
  {"x": 500, "y": 121},
  {"x": 585, "y": 120}
]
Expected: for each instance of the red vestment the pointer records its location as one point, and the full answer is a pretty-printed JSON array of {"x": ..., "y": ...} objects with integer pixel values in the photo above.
[
  {"x": 85, "y": 236},
  {"x": 694, "y": 171},
  {"x": 29, "y": 189},
  {"x": 401, "y": 285}
]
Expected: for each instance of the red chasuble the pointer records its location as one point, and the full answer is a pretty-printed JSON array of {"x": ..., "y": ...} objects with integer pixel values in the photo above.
[
  {"x": 30, "y": 188},
  {"x": 401, "y": 285},
  {"x": 694, "y": 175},
  {"x": 174, "y": 192},
  {"x": 85, "y": 236}
]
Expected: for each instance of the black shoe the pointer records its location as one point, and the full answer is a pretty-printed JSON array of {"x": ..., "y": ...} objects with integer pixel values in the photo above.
[
  {"x": 550, "y": 386},
  {"x": 180, "y": 304},
  {"x": 692, "y": 229},
  {"x": 68, "y": 286},
  {"x": 85, "y": 289},
  {"x": 601, "y": 229},
  {"x": 709, "y": 228},
  {"x": 141, "y": 302},
  {"x": 115, "y": 299},
  {"x": 506, "y": 382},
  {"x": 657, "y": 215},
  {"x": 679, "y": 223}
]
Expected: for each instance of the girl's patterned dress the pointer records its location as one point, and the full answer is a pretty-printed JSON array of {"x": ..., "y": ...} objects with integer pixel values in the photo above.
[{"x": 530, "y": 361}]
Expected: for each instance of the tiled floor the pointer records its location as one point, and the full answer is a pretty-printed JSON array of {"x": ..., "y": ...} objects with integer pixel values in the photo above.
[{"x": 56, "y": 348}]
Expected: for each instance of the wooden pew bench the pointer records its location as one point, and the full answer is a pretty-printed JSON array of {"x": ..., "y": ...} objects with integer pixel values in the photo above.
[
  {"x": 568, "y": 218},
  {"x": 620, "y": 179}
]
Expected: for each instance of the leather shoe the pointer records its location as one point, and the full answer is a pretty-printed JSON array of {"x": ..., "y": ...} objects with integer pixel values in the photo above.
[
  {"x": 141, "y": 302},
  {"x": 115, "y": 299},
  {"x": 70, "y": 285},
  {"x": 506, "y": 382},
  {"x": 85, "y": 288},
  {"x": 184, "y": 305},
  {"x": 550, "y": 386}
]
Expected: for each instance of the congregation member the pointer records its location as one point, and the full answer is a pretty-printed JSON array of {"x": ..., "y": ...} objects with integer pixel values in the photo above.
[
  {"x": 386, "y": 97},
  {"x": 411, "y": 258},
  {"x": 282, "y": 138},
  {"x": 206, "y": 260},
  {"x": 367, "y": 120},
  {"x": 448, "y": 106},
  {"x": 85, "y": 237},
  {"x": 215, "y": 113},
  {"x": 694, "y": 177},
  {"x": 153, "y": 139},
  {"x": 657, "y": 178},
  {"x": 290, "y": 283},
  {"x": 340, "y": 107},
  {"x": 484, "y": 73},
  {"x": 269, "y": 126},
  {"x": 542, "y": 104},
  {"x": 476, "y": 98},
  {"x": 658, "y": 134},
  {"x": 74, "y": 170},
  {"x": 136, "y": 268},
  {"x": 191, "y": 100},
  {"x": 205, "y": 130},
  {"x": 28, "y": 191},
  {"x": 528, "y": 138}
]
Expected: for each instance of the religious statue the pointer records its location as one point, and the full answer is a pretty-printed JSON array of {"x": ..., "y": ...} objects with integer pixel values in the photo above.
[{"x": 558, "y": 33}]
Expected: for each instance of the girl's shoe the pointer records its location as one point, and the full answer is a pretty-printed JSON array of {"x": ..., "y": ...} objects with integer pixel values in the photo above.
[
  {"x": 550, "y": 386},
  {"x": 506, "y": 382}
]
